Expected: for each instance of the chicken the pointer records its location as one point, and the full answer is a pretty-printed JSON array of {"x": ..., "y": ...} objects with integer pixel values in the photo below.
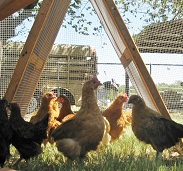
[
  {"x": 127, "y": 114},
  {"x": 53, "y": 123},
  {"x": 65, "y": 111},
  {"x": 27, "y": 137},
  {"x": 5, "y": 132},
  {"x": 68, "y": 117},
  {"x": 153, "y": 128},
  {"x": 115, "y": 116},
  {"x": 83, "y": 132},
  {"x": 56, "y": 118},
  {"x": 48, "y": 105},
  {"x": 106, "y": 136}
]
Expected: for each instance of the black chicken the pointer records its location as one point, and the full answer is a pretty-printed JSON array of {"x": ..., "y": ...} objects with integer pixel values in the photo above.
[
  {"x": 27, "y": 137},
  {"x": 152, "y": 128},
  {"x": 5, "y": 132}
]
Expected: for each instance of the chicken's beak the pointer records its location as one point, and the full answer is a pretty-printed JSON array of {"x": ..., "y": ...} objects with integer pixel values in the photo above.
[
  {"x": 127, "y": 99},
  {"x": 100, "y": 83}
]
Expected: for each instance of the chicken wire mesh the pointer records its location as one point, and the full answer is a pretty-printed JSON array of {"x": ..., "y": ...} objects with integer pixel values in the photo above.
[
  {"x": 75, "y": 57},
  {"x": 163, "y": 41}
]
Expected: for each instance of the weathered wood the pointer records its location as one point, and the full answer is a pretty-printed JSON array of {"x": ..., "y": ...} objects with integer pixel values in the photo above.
[
  {"x": 128, "y": 54},
  {"x": 35, "y": 52},
  {"x": 8, "y": 7}
]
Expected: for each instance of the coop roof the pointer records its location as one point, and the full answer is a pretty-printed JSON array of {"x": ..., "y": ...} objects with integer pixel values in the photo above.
[
  {"x": 165, "y": 37},
  {"x": 57, "y": 49}
]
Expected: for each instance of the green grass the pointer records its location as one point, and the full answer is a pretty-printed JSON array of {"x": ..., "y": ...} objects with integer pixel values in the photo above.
[{"x": 125, "y": 154}]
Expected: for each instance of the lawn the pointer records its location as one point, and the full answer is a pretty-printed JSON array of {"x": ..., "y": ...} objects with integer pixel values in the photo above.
[{"x": 125, "y": 154}]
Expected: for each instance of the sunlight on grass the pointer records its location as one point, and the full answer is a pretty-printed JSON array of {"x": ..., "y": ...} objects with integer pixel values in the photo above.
[{"x": 125, "y": 154}]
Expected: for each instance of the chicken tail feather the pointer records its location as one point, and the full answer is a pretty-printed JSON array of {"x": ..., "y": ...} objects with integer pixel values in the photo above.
[{"x": 69, "y": 148}]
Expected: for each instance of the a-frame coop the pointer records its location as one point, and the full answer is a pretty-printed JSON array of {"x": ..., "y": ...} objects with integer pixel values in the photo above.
[{"x": 41, "y": 38}]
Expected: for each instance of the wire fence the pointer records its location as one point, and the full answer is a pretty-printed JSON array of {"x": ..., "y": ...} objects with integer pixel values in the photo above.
[{"x": 74, "y": 57}]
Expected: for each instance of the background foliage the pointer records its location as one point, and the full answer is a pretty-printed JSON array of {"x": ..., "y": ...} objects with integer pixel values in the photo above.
[{"x": 148, "y": 11}]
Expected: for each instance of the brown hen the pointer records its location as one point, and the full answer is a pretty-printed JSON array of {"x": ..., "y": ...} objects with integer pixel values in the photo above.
[
  {"x": 48, "y": 105},
  {"x": 115, "y": 116},
  {"x": 65, "y": 111},
  {"x": 83, "y": 132}
]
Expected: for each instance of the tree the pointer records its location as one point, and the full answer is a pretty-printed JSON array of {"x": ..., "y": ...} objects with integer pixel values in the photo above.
[
  {"x": 153, "y": 10},
  {"x": 149, "y": 11}
]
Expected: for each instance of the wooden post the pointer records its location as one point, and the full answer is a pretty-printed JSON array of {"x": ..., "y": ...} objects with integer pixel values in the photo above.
[{"x": 35, "y": 52}]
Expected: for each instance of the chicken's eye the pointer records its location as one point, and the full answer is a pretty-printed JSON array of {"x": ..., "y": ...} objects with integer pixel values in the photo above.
[
  {"x": 48, "y": 95},
  {"x": 94, "y": 82}
]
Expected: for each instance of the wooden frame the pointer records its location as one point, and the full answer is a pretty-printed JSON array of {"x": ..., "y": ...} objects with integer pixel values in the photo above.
[
  {"x": 8, "y": 7},
  {"x": 31, "y": 63},
  {"x": 128, "y": 54},
  {"x": 35, "y": 52}
]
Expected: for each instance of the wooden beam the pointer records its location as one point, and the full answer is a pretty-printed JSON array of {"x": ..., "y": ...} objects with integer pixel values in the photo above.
[
  {"x": 128, "y": 54},
  {"x": 35, "y": 52},
  {"x": 8, "y": 7}
]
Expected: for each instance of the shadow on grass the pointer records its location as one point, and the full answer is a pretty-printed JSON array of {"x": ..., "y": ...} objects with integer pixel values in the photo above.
[{"x": 126, "y": 154}]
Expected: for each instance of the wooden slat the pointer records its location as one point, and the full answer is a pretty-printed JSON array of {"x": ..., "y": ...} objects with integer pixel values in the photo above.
[
  {"x": 128, "y": 53},
  {"x": 27, "y": 51},
  {"x": 35, "y": 52},
  {"x": 8, "y": 7}
]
